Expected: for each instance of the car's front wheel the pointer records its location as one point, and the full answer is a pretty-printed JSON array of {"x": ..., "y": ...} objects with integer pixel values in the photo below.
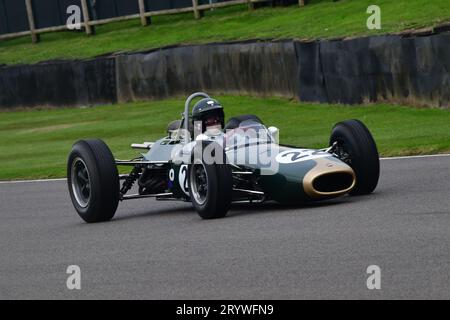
[
  {"x": 93, "y": 181},
  {"x": 210, "y": 184},
  {"x": 355, "y": 145}
]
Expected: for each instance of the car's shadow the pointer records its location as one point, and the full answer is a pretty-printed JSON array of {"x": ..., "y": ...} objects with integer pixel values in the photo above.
[
  {"x": 269, "y": 207},
  {"x": 183, "y": 209},
  {"x": 237, "y": 209}
]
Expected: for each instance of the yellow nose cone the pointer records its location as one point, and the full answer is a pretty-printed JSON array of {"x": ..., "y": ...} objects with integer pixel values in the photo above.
[{"x": 329, "y": 179}]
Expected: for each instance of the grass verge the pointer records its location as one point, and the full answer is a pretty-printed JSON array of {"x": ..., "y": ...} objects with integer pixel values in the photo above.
[
  {"x": 319, "y": 19},
  {"x": 35, "y": 143}
]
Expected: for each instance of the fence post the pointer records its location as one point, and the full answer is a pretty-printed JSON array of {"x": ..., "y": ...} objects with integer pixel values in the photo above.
[
  {"x": 196, "y": 11},
  {"x": 35, "y": 38},
  {"x": 144, "y": 20},
  {"x": 301, "y": 3},
  {"x": 251, "y": 5},
  {"x": 86, "y": 19}
]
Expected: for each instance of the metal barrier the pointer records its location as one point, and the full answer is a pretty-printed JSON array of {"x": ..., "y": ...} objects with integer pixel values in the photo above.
[{"x": 391, "y": 68}]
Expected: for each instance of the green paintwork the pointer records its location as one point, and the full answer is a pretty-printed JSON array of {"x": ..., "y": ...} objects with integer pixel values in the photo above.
[{"x": 284, "y": 185}]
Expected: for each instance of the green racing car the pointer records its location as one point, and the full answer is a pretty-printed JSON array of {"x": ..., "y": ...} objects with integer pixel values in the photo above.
[{"x": 212, "y": 164}]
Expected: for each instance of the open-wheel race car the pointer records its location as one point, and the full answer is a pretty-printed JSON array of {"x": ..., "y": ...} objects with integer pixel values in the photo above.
[{"x": 212, "y": 164}]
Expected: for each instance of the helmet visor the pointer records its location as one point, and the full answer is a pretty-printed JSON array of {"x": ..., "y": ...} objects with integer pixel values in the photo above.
[{"x": 213, "y": 120}]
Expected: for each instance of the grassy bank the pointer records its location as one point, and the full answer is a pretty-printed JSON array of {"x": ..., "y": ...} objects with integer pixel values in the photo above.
[
  {"x": 319, "y": 19},
  {"x": 35, "y": 143}
]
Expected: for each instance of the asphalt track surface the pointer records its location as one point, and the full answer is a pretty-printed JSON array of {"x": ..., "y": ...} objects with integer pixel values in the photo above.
[{"x": 163, "y": 250}]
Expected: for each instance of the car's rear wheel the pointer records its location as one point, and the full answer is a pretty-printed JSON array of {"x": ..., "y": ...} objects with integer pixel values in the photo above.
[
  {"x": 93, "y": 181},
  {"x": 210, "y": 184},
  {"x": 356, "y": 146}
]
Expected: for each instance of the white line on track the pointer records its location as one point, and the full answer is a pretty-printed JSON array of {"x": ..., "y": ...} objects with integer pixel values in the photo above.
[
  {"x": 32, "y": 181},
  {"x": 417, "y": 157},
  {"x": 390, "y": 158}
]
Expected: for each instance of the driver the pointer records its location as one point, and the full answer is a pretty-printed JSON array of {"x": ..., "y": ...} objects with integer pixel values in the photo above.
[{"x": 208, "y": 116}]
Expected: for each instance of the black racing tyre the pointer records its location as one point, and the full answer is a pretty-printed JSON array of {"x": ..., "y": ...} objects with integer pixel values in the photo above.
[
  {"x": 210, "y": 184},
  {"x": 234, "y": 122},
  {"x": 357, "y": 147},
  {"x": 93, "y": 181}
]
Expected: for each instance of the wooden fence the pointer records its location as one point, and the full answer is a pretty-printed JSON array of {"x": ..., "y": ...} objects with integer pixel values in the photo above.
[{"x": 89, "y": 24}]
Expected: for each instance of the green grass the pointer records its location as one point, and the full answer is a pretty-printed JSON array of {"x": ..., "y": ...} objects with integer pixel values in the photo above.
[
  {"x": 319, "y": 19},
  {"x": 35, "y": 143}
]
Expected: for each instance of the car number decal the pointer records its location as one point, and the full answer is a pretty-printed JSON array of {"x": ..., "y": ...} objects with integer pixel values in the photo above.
[
  {"x": 183, "y": 179},
  {"x": 300, "y": 155}
]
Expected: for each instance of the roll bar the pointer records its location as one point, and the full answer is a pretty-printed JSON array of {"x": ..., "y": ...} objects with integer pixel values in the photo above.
[{"x": 188, "y": 104}]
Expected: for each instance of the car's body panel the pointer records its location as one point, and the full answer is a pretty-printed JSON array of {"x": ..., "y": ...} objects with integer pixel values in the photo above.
[
  {"x": 292, "y": 179},
  {"x": 289, "y": 178},
  {"x": 161, "y": 150}
]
